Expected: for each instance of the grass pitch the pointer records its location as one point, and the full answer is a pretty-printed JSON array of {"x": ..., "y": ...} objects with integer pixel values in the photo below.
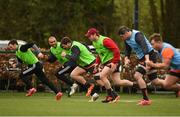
[{"x": 44, "y": 104}]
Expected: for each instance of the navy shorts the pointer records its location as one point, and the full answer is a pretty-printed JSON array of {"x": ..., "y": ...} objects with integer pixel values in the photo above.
[{"x": 152, "y": 73}]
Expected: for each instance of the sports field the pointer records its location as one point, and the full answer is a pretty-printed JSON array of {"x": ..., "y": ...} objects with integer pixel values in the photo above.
[{"x": 44, "y": 104}]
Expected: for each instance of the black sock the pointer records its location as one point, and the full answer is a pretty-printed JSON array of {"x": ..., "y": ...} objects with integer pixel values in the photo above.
[
  {"x": 87, "y": 85},
  {"x": 144, "y": 92},
  {"x": 109, "y": 92},
  {"x": 114, "y": 94},
  {"x": 95, "y": 90}
]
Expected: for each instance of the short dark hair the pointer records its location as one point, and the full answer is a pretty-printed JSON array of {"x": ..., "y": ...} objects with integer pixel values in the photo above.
[
  {"x": 13, "y": 42},
  {"x": 66, "y": 40},
  {"x": 156, "y": 37},
  {"x": 123, "y": 29}
]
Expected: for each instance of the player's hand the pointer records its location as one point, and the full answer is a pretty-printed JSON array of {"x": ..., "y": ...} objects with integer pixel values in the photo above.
[
  {"x": 149, "y": 63},
  {"x": 46, "y": 57},
  {"x": 63, "y": 54},
  {"x": 112, "y": 66},
  {"x": 127, "y": 62},
  {"x": 14, "y": 65}
]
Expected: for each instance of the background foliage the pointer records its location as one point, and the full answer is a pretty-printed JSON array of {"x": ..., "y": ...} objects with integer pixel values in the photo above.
[{"x": 36, "y": 20}]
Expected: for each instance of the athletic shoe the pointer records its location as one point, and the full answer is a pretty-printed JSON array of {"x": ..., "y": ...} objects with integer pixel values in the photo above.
[
  {"x": 31, "y": 92},
  {"x": 115, "y": 99},
  {"x": 73, "y": 89},
  {"x": 108, "y": 99},
  {"x": 59, "y": 95},
  {"x": 90, "y": 90},
  {"x": 177, "y": 93},
  {"x": 144, "y": 102},
  {"x": 94, "y": 97}
]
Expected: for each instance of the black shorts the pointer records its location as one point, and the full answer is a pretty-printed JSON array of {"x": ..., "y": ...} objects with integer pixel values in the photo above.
[
  {"x": 152, "y": 73},
  {"x": 118, "y": 68},
  {"x": 72, "y": 64},
  {"x": 174, "y": 74},
  {"x": 67, "y": 68},
  {"x": 89, "y": 68}
]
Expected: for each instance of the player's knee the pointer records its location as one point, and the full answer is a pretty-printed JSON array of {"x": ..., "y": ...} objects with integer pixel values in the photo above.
[
  {"x": 136, "y": 76},
  {"x": 103, "y": 76},
  {"x": 72, "y": 75}
]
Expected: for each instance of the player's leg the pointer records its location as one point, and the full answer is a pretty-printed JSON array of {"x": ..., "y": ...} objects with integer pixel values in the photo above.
[
  {"x": 171, "y": 82},
  {"x": 41, "y": 75},
  {"x": 140, "y": 71},
  {"x": 62, "y": 73},
  {"x": 76, "y": 75},
  {"x": 25, "y": 77},
  {"x": 111, "y": 94},
  {"x": 116, "y": 78}
]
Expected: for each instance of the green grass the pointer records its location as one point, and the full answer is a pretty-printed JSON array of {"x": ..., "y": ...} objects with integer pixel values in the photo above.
[{"x": 44, "y": 104}]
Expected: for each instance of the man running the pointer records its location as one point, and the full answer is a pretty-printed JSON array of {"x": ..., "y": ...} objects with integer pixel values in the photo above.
[
  {"x": 170, "y": 59},
  {"x": 26, "y": 56},
  {"x": 67, "y": 65},
  {"x": 136, "y": 41},
  {"x": 109, "y": 56}
]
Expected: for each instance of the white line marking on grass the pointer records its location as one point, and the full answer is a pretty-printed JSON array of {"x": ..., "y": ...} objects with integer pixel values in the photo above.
[
  {"x": 131, "y": 100},
  {"x": 128, "y": 100}
]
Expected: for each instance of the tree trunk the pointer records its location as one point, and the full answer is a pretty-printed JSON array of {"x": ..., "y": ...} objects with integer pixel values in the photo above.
[
  {"x": 172, "y": 19},
  {"x": 153, "y": 10}
]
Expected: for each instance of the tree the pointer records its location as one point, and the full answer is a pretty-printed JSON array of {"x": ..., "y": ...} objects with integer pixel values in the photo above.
[
  {"x": 154, "y": 16},
  {"x": 171, "y": 19}
]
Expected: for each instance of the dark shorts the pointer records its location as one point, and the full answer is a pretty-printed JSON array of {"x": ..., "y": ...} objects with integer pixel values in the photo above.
[
  {"x": 89, "y": 68},
  {"x": 152, "y": 73},
  {"x": 72, "y": 64},
  {"x": 118, "y": 68},
  {"x": 67, "y": 68},
  {"x": 35, "y": 68},
  {"x": 174, "y": 74}
]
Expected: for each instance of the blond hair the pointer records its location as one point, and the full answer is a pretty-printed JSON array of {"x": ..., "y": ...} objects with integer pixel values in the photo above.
[{"x": 156, "y": 37}]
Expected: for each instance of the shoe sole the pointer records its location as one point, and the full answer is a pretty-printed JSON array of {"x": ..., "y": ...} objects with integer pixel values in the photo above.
[
  {"x": 143, "y": 104},
  {"x": 73, "y": 92},
  {"x": 28, "y": 95},
  {"x": 140, "y": 104},
  {"x": 59, "y": 97},
  {"x": 115, "y": 100},
  {"x": 93, "y": 100}
]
